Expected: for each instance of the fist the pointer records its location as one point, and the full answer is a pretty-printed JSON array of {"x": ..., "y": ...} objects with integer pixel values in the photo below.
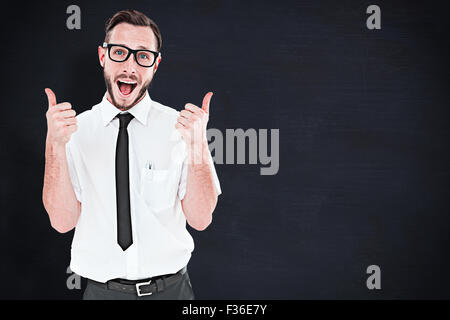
[
  {"x": 192, "y": 121},
  {"x": 61, "y": 121}
]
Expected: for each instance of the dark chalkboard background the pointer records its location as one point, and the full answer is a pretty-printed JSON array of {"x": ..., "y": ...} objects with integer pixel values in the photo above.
[{"x": 364, "y": 158}]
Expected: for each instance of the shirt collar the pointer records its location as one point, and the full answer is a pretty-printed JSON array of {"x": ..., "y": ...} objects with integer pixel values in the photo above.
[{"x": 139, "y": 111}]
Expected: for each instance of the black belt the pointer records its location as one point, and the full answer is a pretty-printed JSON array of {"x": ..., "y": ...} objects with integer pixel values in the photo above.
[{"x": 142, "y": 287}]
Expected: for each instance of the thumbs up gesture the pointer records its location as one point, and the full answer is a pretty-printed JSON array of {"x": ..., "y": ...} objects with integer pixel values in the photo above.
[
  {"x": 192, "y": 121},
  {"x": 61, "y": 121}
]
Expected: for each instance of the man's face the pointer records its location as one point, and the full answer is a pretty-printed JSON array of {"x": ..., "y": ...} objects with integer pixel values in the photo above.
[{"x": 127, "y": 82}]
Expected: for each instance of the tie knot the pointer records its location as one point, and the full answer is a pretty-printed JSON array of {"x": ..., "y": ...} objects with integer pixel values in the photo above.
[{"x": 124, "y": 119}]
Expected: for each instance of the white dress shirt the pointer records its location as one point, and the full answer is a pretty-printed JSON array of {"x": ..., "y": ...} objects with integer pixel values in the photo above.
[{"x": 161, "y": 242}]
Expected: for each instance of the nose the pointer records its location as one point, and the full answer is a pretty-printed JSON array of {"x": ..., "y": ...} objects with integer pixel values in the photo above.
[{"x": 129, "y": 66}]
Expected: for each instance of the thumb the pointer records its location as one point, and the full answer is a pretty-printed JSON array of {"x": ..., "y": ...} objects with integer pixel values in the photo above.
[
  {"x": 51, "y": 97},
  {"x": 206, "y": 101}
]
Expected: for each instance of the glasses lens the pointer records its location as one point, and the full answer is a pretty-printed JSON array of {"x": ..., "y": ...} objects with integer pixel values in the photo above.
[
  {"x": 118, "y": 53},
  {"x": 145, "y": 58}
]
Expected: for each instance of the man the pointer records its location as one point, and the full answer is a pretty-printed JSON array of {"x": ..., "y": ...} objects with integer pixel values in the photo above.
[{"x": 129, "y": 173}]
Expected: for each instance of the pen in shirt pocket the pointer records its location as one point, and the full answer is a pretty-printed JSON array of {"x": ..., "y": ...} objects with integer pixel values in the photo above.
[{"x": 148, "y": 169}]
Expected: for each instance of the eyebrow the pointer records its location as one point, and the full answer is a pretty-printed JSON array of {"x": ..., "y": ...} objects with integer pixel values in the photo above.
[
  {"x": 139, "y": 47},
  {"x": 142, "y": 47}
]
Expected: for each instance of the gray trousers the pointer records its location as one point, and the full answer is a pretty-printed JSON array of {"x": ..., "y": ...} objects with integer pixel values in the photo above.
[{"x": 180, "y": 290}]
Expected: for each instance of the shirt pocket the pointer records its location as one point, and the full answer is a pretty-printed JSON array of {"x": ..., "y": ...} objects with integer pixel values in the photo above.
[{"x": 158, "y": 188}]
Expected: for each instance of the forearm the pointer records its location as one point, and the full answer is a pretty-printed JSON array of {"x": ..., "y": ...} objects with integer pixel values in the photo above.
[
  {"x": 201, "y": 198},
  {"x": 58, "y": 196}
]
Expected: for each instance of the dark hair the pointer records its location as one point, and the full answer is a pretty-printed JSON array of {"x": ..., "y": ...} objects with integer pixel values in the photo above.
[{"x": 135, "y": 18}]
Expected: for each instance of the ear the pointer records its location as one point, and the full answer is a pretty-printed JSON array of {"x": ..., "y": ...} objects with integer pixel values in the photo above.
[
  {"x": 158, "y": 60},
  {"x": 101, "y": 55}
]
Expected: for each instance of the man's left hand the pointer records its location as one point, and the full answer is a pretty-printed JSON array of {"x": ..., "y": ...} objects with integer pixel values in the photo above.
[{"x": 192, "y": 121}]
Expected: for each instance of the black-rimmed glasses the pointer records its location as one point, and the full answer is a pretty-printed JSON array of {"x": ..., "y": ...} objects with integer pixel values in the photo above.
[{"x": 120, "y": 53}]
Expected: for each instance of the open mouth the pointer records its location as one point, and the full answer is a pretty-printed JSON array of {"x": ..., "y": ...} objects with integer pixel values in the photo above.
[{"x": 126, "y": 87}]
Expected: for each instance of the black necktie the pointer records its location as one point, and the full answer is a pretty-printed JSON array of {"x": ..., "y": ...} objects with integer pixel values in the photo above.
[{"x": 124, "y": 232}]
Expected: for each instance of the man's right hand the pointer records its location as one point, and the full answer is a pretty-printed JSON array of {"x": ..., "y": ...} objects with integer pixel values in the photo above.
[{"x": 61, "y": 121}]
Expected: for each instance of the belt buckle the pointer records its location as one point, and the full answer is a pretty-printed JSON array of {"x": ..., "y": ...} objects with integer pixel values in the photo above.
[{"x": 138, "y": 288}]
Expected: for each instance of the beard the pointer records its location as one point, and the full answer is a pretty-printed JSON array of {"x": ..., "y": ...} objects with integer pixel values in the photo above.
[{"x": 109, "y": 87}]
